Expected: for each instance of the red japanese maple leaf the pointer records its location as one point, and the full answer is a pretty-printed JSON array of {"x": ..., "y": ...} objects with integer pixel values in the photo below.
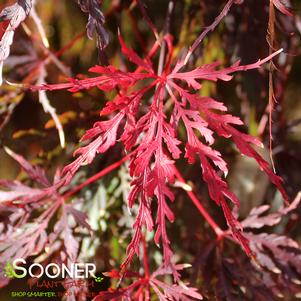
[
  {"x": 140, "y": 288},
  {"x": 153, "y": 136}
]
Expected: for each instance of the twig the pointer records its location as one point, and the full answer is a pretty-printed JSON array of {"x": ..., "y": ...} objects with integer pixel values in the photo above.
[
  {"x": 39, "y": 24},
  {"x": 211, "y": 27},
  {"x": 97, "y": 176},
  {"x": 48, "y": 108},
  {"x": 145, "y": 262},
  {"x": 271, "y": 39},
  {"x": 165, "y": 31},
  {"x": 219, "y": 232},
  {"x": 147, "y": 19}
]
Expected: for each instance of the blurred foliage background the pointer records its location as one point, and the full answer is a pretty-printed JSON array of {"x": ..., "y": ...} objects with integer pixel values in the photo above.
[{"x": 27, "y": 129}]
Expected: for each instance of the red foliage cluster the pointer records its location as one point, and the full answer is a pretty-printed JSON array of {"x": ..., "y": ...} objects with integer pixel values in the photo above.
[
  {"x": 145, "y": 116},
  {"x": 153, "y": 137}
]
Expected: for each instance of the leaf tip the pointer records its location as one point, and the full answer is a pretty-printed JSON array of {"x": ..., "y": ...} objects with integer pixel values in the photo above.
[{"x": 8, "y": 151}]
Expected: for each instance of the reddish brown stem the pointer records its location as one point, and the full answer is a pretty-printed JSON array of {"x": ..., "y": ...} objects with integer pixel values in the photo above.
[
  {"x": 147, "y": 18},
  {"x": 209, "y": 28},
  {"x": 219, "y": 232},
  {"x": 271, "y": 40},
  {"x": 145, "y": 263},
  {"x": 96, "y": 177},
  {"x": 69, "y": 44},
  {"x": 136, "y": 30}
]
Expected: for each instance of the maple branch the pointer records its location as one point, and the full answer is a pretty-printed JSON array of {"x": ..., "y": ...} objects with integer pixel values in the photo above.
[
  {"x": 136, "y": 31},
  {"x": 271, "y": 39},
  {"x": 145, "y": 263},
  {"x": 97, "y": 176},
  {"x": 49, "y": 55},
  {"x": 48, "y": 108},
  {"x": 165, "y": 31},
  {"x": 211, "y": 27},
  {"x": 142, "y": 8},
  {"x": 219, "y": 232},
  {"x": 7, "y": 117},
  {"x": 69, "y": 44},
  {"x": 39, "y": 24},
  {"x": 47, "y": 214}
]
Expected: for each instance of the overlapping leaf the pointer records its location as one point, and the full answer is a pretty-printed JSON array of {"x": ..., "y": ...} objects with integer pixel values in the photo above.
[
  {"x": 26, "y": 212},
  {"x": 139, "y": 290},
  {"x": 275, "y": 272},
  {"x": 10, "y": 19},
  {"x": 153, "y": 137}
]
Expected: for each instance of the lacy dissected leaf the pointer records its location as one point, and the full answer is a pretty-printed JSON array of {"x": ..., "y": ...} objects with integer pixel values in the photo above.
[
  {"x": 139, "y": 289},
  {"x": 274, "y": 274},
  {"x": 63, "y": 228},
  {"x": 34, "y": 172},
  {"x": 104, "y": 134},
  {"x": 231, "y": 278},
  {"x": 96, "y": 21},
  {"x": 286, "y": 253},
  {"x": 210, "y": 71},
  {"x": 109, "y": 80},
  {"x": 30, "y": 239},
  {"x": 276, "y": 253},
  {"x": 26, "y": 212},
  {"x": 256, "y": 218},
  {"x": 134, "y": 57},
  {"x": 19, "y": 193},
  {"x": 22, "y": 238},
  {"x": 79, "y": 216},
  {"x": 10, "y": 19},
  {"x": 238, "y": 280},
  {"x": 158, "y": 118},
  {"x": 152, "y": 137}
]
